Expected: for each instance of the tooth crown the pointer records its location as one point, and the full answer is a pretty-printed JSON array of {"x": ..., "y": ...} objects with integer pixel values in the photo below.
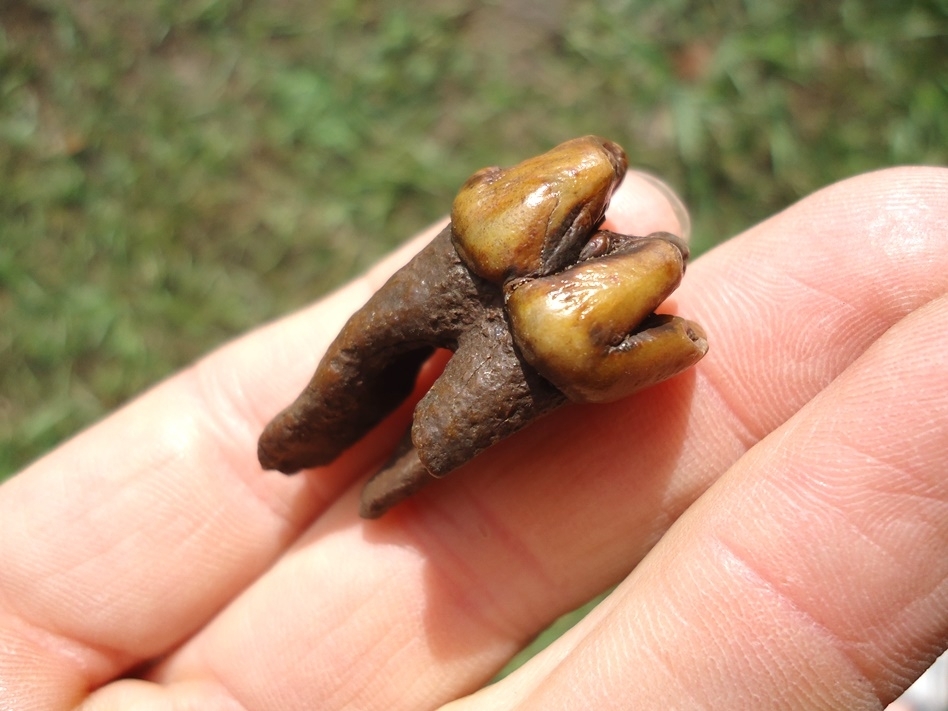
[
  {"x": 534, "y": 218},
  {"x": 582, "y": 328}
]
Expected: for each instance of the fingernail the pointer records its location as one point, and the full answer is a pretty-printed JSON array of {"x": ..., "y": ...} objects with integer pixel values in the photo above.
[{"x": 677, "y": 206}]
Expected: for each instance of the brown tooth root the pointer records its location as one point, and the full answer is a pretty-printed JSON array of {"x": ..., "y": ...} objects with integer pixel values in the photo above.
[
  {"x": 403, "y": 476},
  {"x": 486, "y": 393},
  {"x": 372, "y": 365},
  {"x": 537, "y": 304}
]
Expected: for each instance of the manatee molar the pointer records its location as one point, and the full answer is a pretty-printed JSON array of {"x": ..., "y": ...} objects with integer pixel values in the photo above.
[{"x": 538, "y": 305}]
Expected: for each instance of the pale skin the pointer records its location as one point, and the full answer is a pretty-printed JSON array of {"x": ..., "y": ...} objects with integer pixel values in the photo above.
[{"x": 776, "y": 518}]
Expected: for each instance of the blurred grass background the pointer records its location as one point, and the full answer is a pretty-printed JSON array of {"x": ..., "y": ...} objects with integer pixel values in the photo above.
[{"x": 173, "y": 173}]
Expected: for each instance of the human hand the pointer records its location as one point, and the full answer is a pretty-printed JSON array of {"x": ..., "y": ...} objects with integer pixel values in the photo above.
[{"x": 788, "y": 492}]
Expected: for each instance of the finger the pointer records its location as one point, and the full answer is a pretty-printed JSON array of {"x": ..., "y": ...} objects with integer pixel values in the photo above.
[
  {"x": 811, "y": 575},
  {"x": 128, "y": 538},
  {"x": 427, "y": 603},
  {"x": 645, "y": 204}
]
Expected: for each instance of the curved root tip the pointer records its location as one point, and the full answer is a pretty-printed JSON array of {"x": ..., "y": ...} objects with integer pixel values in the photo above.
[{"x": 395, "y": 483}]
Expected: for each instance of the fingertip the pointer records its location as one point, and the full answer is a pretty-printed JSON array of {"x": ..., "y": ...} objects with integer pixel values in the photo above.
[{"x": 644, "y": 203}]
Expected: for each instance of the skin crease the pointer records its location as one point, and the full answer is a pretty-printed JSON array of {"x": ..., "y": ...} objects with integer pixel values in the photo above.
[{"x": 788, "y": 492}]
